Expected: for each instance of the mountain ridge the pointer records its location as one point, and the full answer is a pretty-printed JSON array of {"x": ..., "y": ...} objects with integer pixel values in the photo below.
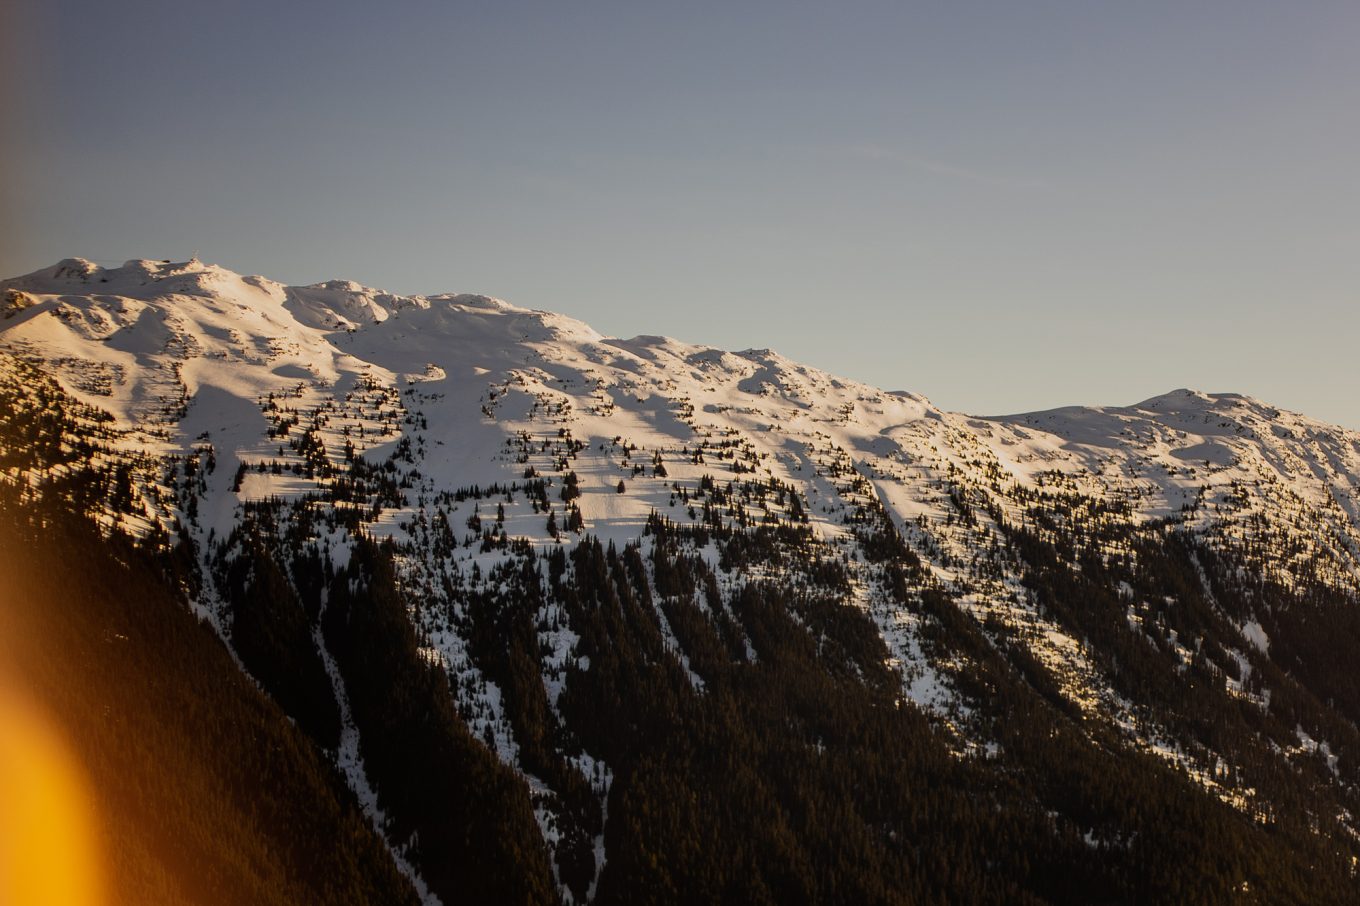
[{"x": 334, "y": 297}]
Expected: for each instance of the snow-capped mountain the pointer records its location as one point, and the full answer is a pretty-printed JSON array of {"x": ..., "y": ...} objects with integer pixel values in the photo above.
[{"x": 1174, "y": 582}]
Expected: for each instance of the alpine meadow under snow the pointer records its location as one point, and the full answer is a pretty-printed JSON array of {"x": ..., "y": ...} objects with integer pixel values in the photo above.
[{"x": 560, "y": 617}]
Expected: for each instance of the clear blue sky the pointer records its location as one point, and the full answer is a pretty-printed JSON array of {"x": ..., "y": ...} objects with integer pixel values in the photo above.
[{"x": 1005, "y": 205}]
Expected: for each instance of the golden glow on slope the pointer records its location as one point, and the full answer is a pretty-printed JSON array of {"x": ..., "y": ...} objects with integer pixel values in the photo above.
[{"x": 49, "y": 846}]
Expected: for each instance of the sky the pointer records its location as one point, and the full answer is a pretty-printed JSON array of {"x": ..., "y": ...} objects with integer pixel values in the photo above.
[{"x": 1006, "y": 206}]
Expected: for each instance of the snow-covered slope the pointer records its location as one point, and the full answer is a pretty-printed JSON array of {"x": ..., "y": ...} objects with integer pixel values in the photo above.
[
  {"x": 275, "y": 392},
  {"x": 172, "y": 348},
  {"x": 188, "y": 356}
]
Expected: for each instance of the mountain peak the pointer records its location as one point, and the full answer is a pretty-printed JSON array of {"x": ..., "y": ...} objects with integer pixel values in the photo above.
[
  {"x": 80, "y": 275},
  {"x": 1185, "y": 398}
]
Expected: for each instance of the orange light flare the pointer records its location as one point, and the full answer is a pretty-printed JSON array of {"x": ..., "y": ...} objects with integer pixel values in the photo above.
[{"x": 50, "y": 849}]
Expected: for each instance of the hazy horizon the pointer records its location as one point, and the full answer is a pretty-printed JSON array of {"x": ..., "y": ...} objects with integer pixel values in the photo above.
[{"x": 1004, "y": 209}]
